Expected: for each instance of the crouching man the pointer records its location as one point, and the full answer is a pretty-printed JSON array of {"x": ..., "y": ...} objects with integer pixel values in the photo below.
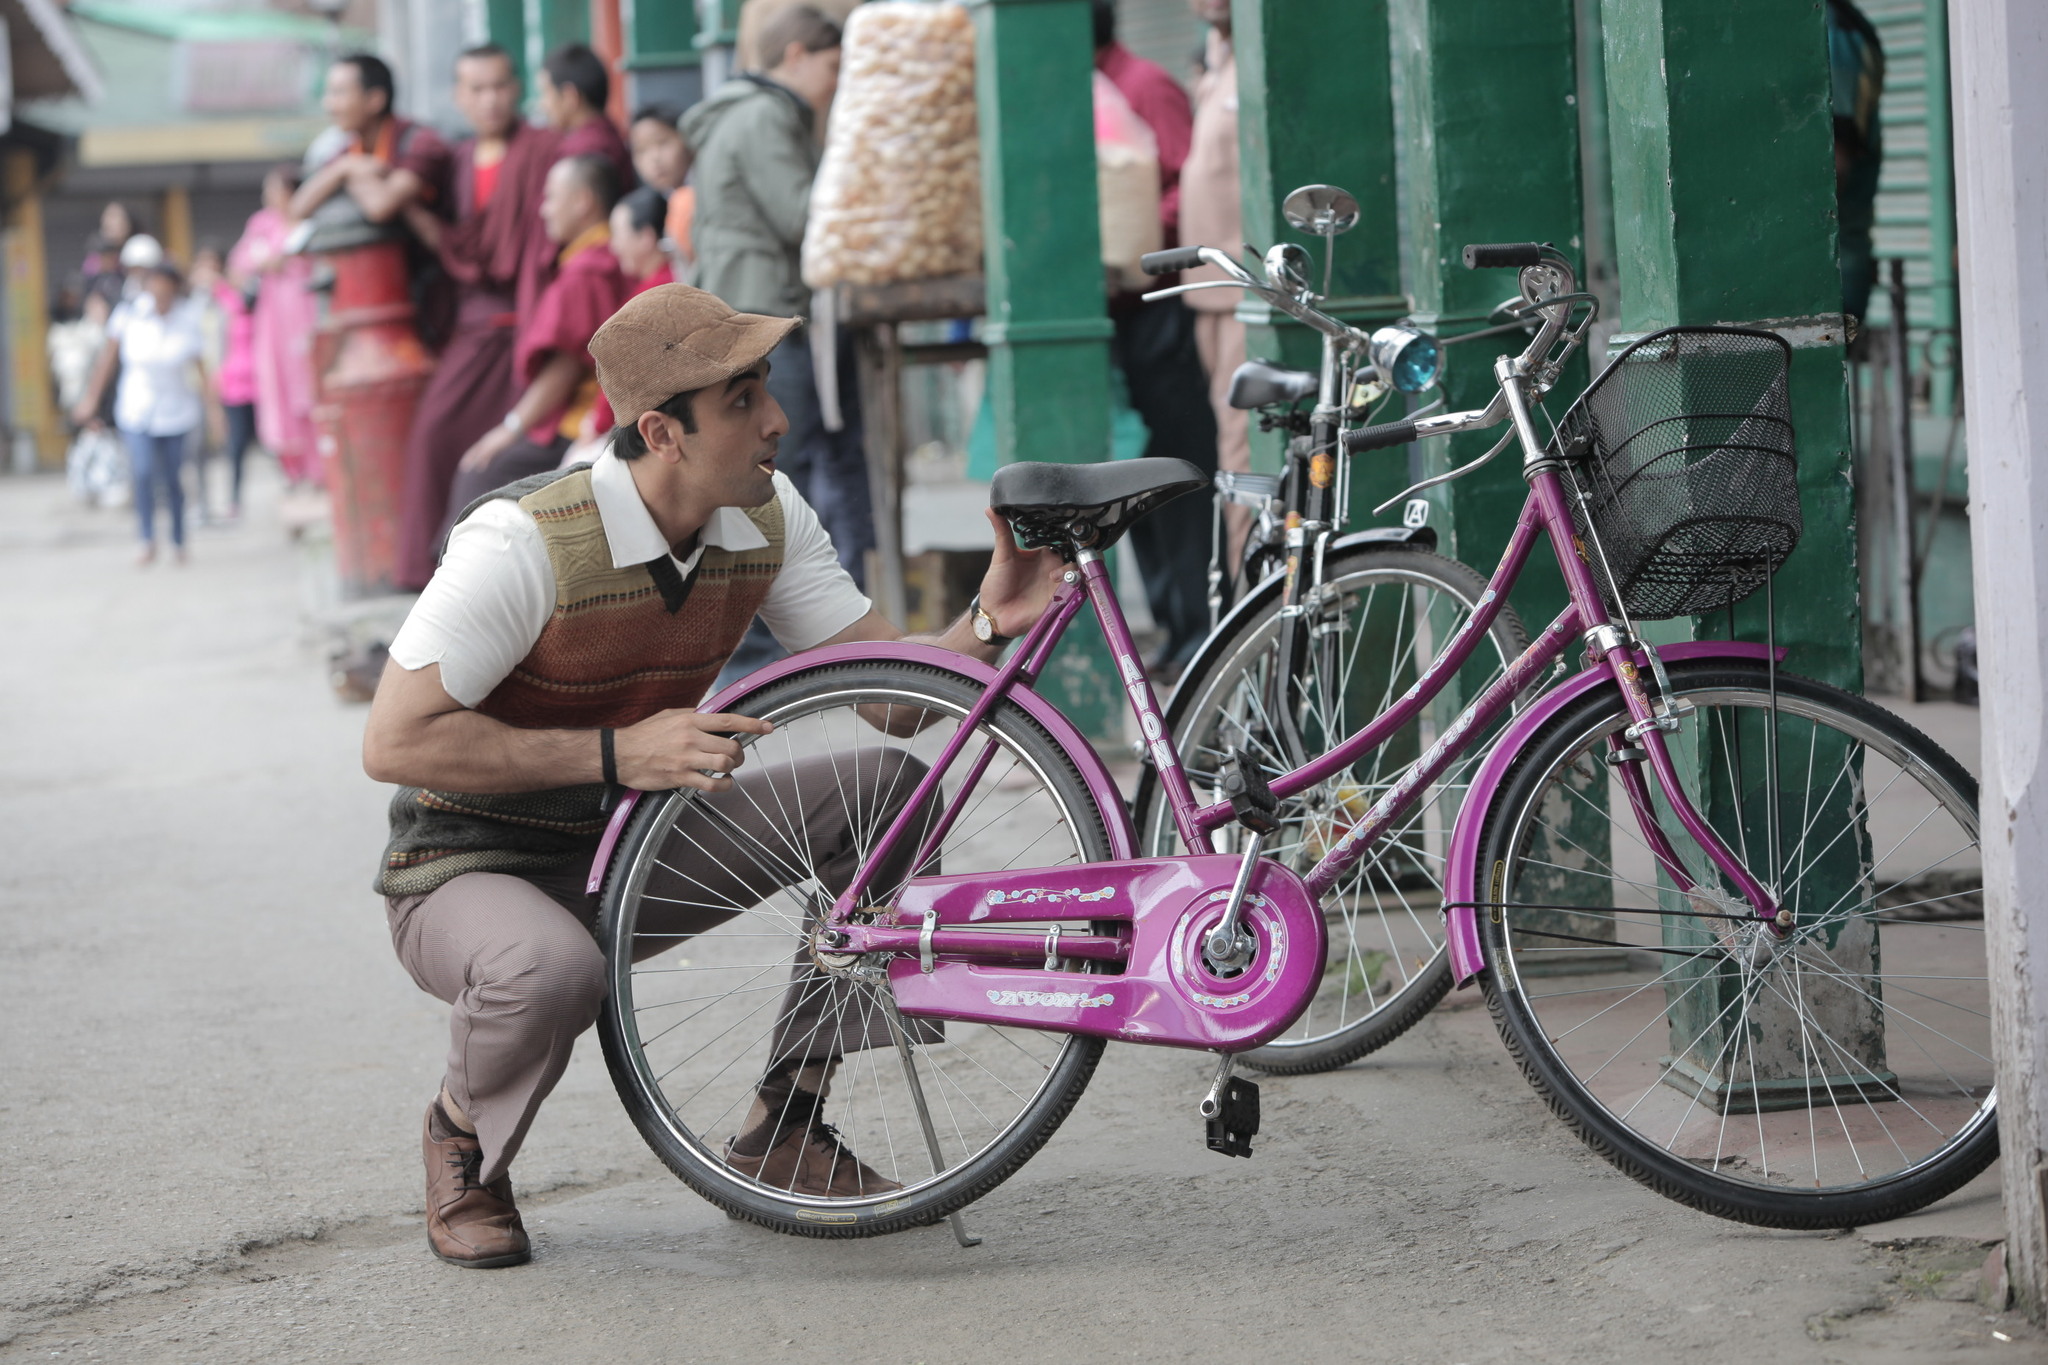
[{"x": 576, "y": 619}]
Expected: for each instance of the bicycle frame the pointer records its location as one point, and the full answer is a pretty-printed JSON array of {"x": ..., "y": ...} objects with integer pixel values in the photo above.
[
  {"x": 856, "y": 925},
  {"x": 1586, "y": 618}
]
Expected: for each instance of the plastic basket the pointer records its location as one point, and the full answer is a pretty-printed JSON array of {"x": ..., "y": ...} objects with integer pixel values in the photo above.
[{"x": 1683, "y": 461}]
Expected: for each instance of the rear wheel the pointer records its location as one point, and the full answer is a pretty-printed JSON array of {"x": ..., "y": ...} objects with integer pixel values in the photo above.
[
  {"x": 696, "y": 1023},
  {"x": 1836, "y": 1077},
  {"x": 1382, "y": 616}
]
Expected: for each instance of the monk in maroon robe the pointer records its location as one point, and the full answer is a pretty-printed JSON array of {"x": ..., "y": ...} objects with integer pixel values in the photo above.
[
  {"x": 552, "y": 355},
  {"x": 573, "y": 87},
  {"x": 497, "y": 190}
]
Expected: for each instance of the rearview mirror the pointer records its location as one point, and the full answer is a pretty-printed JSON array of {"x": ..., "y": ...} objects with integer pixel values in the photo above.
[{"x": 1320, "y": 210}]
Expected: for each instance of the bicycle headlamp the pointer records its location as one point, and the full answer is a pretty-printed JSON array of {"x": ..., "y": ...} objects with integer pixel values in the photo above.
[{"x": 1407, "y": 359}]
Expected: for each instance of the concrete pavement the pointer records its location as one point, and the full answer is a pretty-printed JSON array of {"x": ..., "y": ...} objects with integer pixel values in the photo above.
[{"x": 213, "y": 1071}]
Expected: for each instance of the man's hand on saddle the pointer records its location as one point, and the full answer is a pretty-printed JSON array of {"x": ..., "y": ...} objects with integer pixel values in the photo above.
[
  {"x": 1019, "y": 583},
  {"x": 683, "y": 748}
]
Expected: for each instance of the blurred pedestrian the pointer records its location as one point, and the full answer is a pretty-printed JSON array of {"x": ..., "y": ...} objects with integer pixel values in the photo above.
[
  {"x": 636, "y": 228},
  {"x": 756, "y": 155},
  {"x": 662, "y": 159},
  {"x": 228, "y": 324},
  {"x": 1856, "y": 84},
  {"x": 103, "y": 248},
  {"x": 572, "y": 86},
  {"x": 394, "y": 170},
  {"x": 1154, "y": 345},
  {"x": 78, "y": 328},
  {"x": 160, "y": 350},
  {"x": 1211, "y": 214},
  {"x": 552, "y": 355},
  {"x": 499, "y": 174},
  {"x": 281, "y": 331}
]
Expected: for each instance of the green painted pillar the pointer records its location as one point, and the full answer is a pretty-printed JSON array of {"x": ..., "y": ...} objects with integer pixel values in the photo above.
[
  {"x": 551, "y": 23},
  {"x": 1490, "y": 120},
  {"x": 505, "y": 25},
  {"x": 718, "y": 34},
  {"x": 1315, "y": 105},
  {"x": 1724, "y": 211},
  {"x": 1046, "y": 322},
  {"x": 1724, "y": 208},
  {"x": 1943, "y": 345},
  {"x": 661, "y": 49},
  {"x": 659, "y": 33},
  {"x": 1486, "y": 94}
]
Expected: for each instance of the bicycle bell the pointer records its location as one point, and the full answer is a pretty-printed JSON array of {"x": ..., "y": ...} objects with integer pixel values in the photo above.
[
  {"x": 1407, "y": 359},
  {"x": 1287, "y": 266}
]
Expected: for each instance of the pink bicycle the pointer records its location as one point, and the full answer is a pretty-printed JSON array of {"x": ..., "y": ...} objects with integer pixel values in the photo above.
[{"x": 1727, "y": 919}]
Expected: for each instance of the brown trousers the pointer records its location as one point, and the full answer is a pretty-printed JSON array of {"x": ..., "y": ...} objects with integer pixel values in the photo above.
[{"x": 516, "y": 960}]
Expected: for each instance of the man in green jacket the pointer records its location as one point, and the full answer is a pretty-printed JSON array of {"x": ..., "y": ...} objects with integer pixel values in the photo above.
[{"x": 756, "y": 149}]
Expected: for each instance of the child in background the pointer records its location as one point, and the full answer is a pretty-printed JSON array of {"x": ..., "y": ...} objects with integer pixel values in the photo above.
[{"x": 228, "y": 322}]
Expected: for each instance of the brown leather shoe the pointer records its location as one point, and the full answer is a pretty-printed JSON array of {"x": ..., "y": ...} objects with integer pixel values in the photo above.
[
  {"x": 468, "y": 1224},
  {"x": 811, "y": 1161}
]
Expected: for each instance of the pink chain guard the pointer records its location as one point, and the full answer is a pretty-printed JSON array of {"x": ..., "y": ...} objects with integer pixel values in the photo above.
[{"x": 1165, "y": 995}]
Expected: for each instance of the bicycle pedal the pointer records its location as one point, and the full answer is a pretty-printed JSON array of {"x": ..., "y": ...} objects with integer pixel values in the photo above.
[{"x": 1237, "y": 1118}]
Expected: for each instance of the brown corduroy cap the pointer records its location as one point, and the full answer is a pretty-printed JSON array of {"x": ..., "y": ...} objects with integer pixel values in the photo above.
[{"x": 673, "y": 339}]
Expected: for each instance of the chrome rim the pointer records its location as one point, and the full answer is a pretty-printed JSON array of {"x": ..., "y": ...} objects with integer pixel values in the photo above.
[
  {"x": 1379, "y": 627},
  {"x": 1855, "y": 1050},
  {"x": 699, "y": 1017}
]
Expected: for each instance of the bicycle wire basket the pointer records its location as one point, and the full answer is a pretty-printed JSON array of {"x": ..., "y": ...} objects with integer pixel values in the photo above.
[{"x": 1681, "y": 454}]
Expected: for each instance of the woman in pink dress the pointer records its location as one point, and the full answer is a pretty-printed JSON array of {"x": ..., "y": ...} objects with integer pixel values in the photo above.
[{"x": 283, "y": 334}]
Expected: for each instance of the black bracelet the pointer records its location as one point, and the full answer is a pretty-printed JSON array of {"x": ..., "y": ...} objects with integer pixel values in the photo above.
[{"x": 610, "y": 757}]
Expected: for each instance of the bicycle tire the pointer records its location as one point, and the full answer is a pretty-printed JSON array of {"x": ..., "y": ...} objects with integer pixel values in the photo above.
[
  {"x": 658, "y": 1117},
  {"x": 1425, "y": 974},
  {"x": 1621, "y": 1118}
]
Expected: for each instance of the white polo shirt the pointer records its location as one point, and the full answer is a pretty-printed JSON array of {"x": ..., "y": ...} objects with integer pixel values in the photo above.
[{"x": 495, "y": 589}]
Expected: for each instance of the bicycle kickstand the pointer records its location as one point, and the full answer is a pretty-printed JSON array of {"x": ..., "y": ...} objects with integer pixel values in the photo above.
[{"x": 924, "y": 1114}]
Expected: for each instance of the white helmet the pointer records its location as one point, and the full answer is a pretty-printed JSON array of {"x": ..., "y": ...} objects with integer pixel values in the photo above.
[{"x": 141, "y": 252}]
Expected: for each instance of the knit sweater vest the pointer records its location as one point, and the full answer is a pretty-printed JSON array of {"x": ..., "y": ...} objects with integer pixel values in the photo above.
[{"x": 620, "y": 645}]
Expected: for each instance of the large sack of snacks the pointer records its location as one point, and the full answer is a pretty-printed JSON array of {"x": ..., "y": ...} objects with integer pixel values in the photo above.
[
  {"x": 1127, "y": 182},
  {"x": 898, "y": 194}
]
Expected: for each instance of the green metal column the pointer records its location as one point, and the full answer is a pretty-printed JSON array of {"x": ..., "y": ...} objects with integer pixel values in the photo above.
[
  {"x": 1943, "y": 344},
  {"x": 718, "y": 33},
  {"x": 659, "y": 34},
  {"x": 1315, "y": 104},
  {"x": 1046, "y": 324},
  {"x": 1724, "y": 207},
  {"x": 551, "y": 23},
  {"x": 1490, "y": 123},
  {"x": 505, "y": 25}
]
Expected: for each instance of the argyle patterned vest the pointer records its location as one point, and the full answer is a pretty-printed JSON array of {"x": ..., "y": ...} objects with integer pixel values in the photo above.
[{"x": 620, "y": 645}]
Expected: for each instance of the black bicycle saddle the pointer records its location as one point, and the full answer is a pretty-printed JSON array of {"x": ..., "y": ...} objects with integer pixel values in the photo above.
[
  {"x": 1087, "y": 505},
  {"x": 1255, "y": 384}
]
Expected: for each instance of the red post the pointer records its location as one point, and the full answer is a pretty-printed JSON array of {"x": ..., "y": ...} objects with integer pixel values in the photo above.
[{"x": 370, "y": 366}]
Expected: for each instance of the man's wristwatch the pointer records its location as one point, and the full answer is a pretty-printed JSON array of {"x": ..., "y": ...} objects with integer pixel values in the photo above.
[{"x": 984, "y": 624}]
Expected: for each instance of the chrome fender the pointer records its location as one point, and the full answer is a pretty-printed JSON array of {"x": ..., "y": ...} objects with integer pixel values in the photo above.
[
  {"x": 1122, "y": 838},
  {"x": 1464, "y": 888}
]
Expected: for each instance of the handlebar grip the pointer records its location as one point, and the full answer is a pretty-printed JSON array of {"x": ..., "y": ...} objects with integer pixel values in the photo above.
[
  {"x": 1167, "y": 262},
  {"x": 1503, "y": 255},
  {"x": 1379, "y": 437}
]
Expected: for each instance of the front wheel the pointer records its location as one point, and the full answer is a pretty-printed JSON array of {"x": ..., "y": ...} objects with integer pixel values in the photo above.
[
  {"x": 1838, "y": 1076},
  {"x": 777, "y": 1080}
]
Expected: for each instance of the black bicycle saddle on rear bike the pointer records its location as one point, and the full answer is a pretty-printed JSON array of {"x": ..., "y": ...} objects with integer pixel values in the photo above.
[
  {"x": 1256, "y": 384},
  {"x": 1086, "y": 505}
]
